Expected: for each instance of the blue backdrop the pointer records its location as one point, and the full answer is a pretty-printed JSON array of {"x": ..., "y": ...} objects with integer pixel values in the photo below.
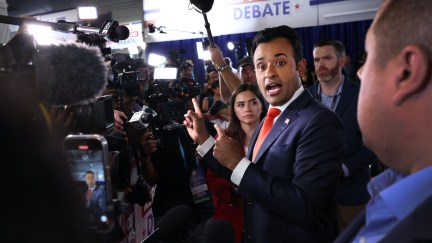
[{"x": 352, "y": 34}]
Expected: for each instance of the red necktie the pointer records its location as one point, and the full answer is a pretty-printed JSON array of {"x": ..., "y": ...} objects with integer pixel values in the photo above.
[
  {"x": 89, "y": 192},
  {"x": 265, "y": 129}
]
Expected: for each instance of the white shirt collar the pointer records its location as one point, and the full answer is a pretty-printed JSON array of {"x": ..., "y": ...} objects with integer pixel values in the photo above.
[{"x": 298, "y": 92}]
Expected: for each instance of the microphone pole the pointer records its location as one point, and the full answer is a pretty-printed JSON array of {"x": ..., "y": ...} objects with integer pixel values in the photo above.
[
  {"x": 60, "y": 25},
  {"x": 203, "y": 6},
  {"x": 207, "y": 26},
  {"x": 19, "y": 21}
]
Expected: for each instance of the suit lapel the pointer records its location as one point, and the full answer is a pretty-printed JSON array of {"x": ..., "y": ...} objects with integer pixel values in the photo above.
[
  {"x": 346, "y": 97},
  {"x": 348, "y": 89},
  {"x": 289, "y": 116},
  {"x": 314, "y": 90},
  {"x": 253, "y": 140},
  {"x": 351, "y": 231}
]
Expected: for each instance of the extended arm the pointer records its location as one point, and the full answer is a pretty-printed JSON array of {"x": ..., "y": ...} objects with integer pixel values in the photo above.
[{"x": 228, "y": 81}]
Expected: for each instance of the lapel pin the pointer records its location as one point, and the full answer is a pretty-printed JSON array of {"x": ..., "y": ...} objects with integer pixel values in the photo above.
[{"x": 287, "y": 121}]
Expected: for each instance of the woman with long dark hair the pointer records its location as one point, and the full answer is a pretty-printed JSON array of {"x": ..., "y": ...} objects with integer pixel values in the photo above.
[{"x": 247, "y": 108}]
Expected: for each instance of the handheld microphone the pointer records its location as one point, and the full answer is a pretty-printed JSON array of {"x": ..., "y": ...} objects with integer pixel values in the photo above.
[
  {"x": 110, "y": 30},
  {"x": 142, "y": 119},
  {"x": 217, "y": 231},
  {"x": 171, "y": 223},
  {"x": 69, "y": 74}
]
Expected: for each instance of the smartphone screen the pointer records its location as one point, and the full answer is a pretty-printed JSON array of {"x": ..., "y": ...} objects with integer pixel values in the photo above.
[{"x": 87, "y": 156}]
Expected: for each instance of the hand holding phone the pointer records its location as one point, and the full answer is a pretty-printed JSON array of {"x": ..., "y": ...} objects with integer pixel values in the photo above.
[{"x": 87, "y": 155}]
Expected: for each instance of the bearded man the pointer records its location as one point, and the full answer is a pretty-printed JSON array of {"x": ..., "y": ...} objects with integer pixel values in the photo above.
[{"x": 340, "y": 94}]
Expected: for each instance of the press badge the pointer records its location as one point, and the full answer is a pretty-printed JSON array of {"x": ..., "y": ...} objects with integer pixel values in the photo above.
[{"x": 198, "y": 186}]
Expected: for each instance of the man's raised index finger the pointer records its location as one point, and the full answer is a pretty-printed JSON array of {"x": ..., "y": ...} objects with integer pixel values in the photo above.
[{"x": 196, "y": 106}]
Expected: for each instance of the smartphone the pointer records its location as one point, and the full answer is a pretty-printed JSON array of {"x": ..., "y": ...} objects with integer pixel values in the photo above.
[{"x": 87, "y": 156}]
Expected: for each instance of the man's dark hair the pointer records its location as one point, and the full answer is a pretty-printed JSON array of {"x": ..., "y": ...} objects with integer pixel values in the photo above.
[
  {"x": 89, "y": 172},
  {"x": 338, "y": 46},
  {"x": 283, "y": 31},
  {"x": 185, "y": 65}
]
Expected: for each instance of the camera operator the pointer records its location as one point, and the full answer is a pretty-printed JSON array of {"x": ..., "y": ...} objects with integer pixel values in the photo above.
[
  {"x": 168, "y": 160},
  {"x": 128, "y": 99}
]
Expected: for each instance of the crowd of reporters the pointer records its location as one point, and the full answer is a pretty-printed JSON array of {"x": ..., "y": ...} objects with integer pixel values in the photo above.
[{"x": 176, "y": 147}]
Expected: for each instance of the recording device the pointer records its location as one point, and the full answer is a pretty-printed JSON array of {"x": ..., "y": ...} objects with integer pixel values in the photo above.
[
  {"x": 167, "y": 103},
  {"x": 171, "y": 223},
  {"x": 88, "y": 158},
  {"x": 69, "y": 74},
  {"x": 110, "y": 30},
  {"x": 65, "y": 74},
  {"x": 204, "y": 6},
  {"x": 142, "y": 119},
  {"x": 95, "y": 117},
  {"x": 217, "y": 231},
  {"x": 169, "y": 98},
  {"x": 123, "y": 77}
]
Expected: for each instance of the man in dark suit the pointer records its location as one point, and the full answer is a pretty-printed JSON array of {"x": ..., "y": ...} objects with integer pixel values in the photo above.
[
  {"x": 95, "y": 195},
  {"x": 394, "y": 114},
  {"x": 340, "y": 94},
  {"x": 289, "y": 178}
]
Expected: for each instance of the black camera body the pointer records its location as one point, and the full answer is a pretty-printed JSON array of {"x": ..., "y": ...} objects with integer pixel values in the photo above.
[
  {"x": 123, "y": 77},
  {"x": 169, "y": 98},
  {"x": 95, "y": 117}
]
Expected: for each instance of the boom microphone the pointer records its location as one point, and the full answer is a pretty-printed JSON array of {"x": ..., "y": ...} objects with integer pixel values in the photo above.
[
  {"x": 217, "y": 231},
  {"x": 110, "y": 30},
  {"x": 69, "y": 74},
  {"x": 203, "y": 5},
  {"x": 171, "y": 223}
]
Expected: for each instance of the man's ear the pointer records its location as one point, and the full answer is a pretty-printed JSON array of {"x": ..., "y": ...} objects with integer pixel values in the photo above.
[
  {"x": 342, "y": 61},
  {"x": 413, "y": 73},
  {"x": 301, "y": 67}
]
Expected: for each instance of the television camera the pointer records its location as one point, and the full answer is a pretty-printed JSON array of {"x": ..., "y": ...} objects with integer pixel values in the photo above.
[{"x": 167, "y": 101}]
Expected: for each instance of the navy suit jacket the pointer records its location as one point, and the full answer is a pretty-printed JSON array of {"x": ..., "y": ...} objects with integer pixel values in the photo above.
[
  {"x": 352, "y": 189},
  {"x": 290, "y": 193},
  {"x": 98, "y": 200}
]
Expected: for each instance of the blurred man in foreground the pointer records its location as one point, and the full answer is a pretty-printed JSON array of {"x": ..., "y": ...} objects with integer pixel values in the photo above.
[{"x": 395, "y": 114}]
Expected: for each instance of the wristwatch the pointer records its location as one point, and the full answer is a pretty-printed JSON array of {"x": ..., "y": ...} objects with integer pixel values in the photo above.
[{"x": 222, "y": 67}]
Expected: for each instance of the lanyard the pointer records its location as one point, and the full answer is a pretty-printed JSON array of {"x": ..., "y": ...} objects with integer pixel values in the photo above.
[{"x": 335, "y": 97}]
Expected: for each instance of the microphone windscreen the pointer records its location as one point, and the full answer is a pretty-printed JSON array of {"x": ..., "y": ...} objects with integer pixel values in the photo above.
[
  {"x": 217, "y": 231},
  {"x": 203, "y": 5},
  {"x": 174, "y": 220},
  {"x": 69, "y": 74},
  {"x": 122, "y": 32}
]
